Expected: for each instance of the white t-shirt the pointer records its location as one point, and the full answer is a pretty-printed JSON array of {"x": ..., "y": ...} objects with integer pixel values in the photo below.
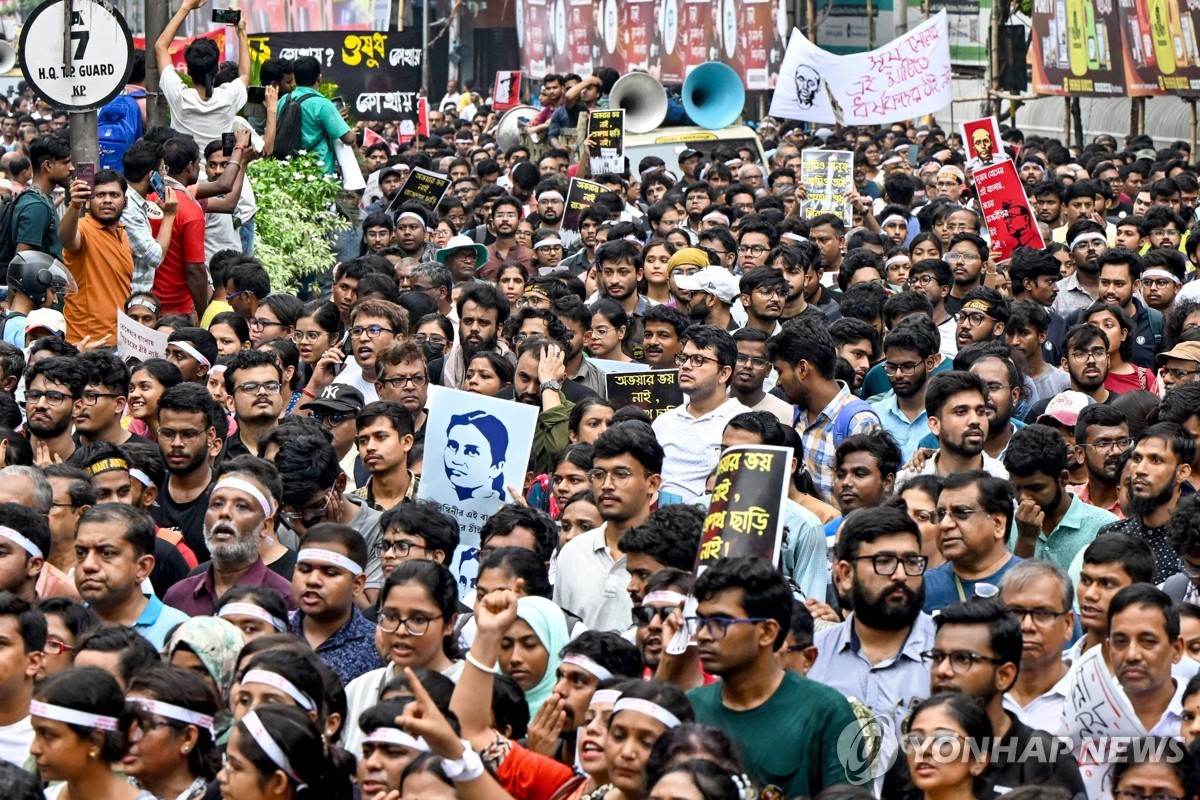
[
  {"x": 15, "y": 741},
  {"x": 203, "y": 120}
]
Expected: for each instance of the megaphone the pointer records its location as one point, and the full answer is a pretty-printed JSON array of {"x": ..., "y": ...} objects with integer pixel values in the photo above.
[
  {"x": 713, "y": 95},
  {"x": 8, "y": 56},
  {"x": 512, "y": 125},
  {"x": 644, "y": 101}
]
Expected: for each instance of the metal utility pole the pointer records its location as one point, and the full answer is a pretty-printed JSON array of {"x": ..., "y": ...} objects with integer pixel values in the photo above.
[
  {"x": 425, "y": 47},
  {"x": 155, "y": 13}
]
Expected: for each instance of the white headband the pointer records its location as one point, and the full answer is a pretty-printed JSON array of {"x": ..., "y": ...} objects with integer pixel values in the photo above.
[
  {"x": 674, "y": 598},
  {"x": 217, "y": 369},
  {"x": 21, "y": 541},
  {"x": 282, "y": 684},
  {"x": 649, "y": 709},
  {"x": 270, "y": 747},
  {"x": 549, "y": 241},
  {"x": 588, "y": 665},
  {"x": 145, "y": 302},
  {"x": 551, "y": 195},
  {"x": 410, "y": 215},
  {"x": 397, "y": 737},
  {"x": 1155, "y": 272},
  {"x": 715, "y": 215},
  {"x": 251, "y": 610},
  {"x": 893, "y": 217},
  {"x": 1088, "y": 237},
  {"x": 71, "y": 716},
  {"x": 792, "y": 237},
  {"x": 329, "y": 557},
  {"x": 191, "y": 351},
  {"x": 896, "y": 260},
  {"x": 178, "y": 713},
  {"x": 249, "y": 488},
  {"x": 142, "y": 477},
  {"x": 607, "y": 696}
]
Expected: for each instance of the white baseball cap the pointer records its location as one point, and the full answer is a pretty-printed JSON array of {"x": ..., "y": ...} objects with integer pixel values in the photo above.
[{"x": 716, "y": 281}]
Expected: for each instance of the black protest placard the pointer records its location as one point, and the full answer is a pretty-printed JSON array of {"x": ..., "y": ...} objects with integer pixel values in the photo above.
[
  {"x": 423, "y": 186},
  {"x": 828, "y": 175},
  {"x": 606, "y": 130},
  {"x": 654, "y": 391},
  {"x": 745, "y": 515},
  {"x": 581, "y": 195}
]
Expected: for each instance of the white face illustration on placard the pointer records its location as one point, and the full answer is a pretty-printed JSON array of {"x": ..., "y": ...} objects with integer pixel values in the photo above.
[
  {"x": 670, "y": 25},
  {"x": 729, "y": 27},
  {"x": 610, "y": 26}
]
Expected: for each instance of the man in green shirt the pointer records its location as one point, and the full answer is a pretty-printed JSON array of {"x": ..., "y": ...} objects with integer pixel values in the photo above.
[
  {"x": 320, "y": 121},
  {"x": 786, "y": 726},
  {"x": 34, "y": 217}
]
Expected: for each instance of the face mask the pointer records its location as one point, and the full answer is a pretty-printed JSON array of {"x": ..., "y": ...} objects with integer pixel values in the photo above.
[{"x": 432, "y": 351}]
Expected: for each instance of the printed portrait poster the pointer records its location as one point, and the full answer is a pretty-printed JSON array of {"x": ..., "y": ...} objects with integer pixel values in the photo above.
[
  {"x": 1006, "y": 210},
  {"x": 985, "y": 148},
  {"x": 475, "y": 448},
  {"x": 654, "y": 391},
  {"x": 507, "y": 92},
  {"x": 581, "y": 194},
  {"x": 829, "y": 177}
]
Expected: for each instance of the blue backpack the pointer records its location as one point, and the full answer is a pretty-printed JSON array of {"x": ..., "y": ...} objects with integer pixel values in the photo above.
[{"x": 119, "y": 125}]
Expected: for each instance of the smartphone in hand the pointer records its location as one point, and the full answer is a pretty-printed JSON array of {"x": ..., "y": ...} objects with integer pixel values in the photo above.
[
  {"x": 256, "y": 94},
  {"x": 228, "y": 142},
  {"x": 158, "y": 185},
  {"x": 86, "y": 171},
  {"x": 226, "y": 16},
  {"x": 339, "y": 103}
]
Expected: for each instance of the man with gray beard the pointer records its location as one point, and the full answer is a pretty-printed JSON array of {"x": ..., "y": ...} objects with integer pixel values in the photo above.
[{"x": 241, "y": 511}]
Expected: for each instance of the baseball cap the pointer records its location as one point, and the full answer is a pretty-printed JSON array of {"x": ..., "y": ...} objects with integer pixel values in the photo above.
[
  {"x": 687, "y": 153},
  {"x": 1065, "y": 408},
  {"x": 716, "y": 281},
  {"x": 1147, "y": 154},
  {"x": 1184, "y": 351},
  {"x": 47, "y": 318},
  {"x": 337, "y": 397}
]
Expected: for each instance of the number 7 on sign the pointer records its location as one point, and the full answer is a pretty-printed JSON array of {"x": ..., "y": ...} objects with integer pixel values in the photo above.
[{"x": 82, "y": 37}]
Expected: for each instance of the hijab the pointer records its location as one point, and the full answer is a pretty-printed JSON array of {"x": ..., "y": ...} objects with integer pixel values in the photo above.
[
  {"x": 216, "y": 642},
  {"x": 549, "y": 624}
]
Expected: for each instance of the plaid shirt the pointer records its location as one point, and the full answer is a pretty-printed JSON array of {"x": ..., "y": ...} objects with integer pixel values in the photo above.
[
  {"x": 819, "y": 444},
  {"x": 147, "y": 254}
]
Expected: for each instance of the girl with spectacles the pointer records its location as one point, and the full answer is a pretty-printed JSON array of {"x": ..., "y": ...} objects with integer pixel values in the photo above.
[
  {"x": 920, "y": 498},
  {"x": 172, "y": 751},
  {"x": 946, "y": 747},
  {"x": 415, "y": 627},
  {"x": 275, "y": 318},
  {"x": 81, "y": 728},
  {"x": 610, "y": 329},
  {"x": 318, "y": 328},
  {"x": 66, "y": 621},
  {"x": 1123, "y": 376},
  {"x": 1155, "y": 768},
  {"x": 149, "y": 381}
]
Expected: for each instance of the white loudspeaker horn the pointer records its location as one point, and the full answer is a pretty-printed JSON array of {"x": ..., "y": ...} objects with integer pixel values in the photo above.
[
  {"x": 644, "y": 101},
  {"x": 512, "y": 126},
  {"x": 713, "y": 95},
  {"x": 8, "y": 56}
]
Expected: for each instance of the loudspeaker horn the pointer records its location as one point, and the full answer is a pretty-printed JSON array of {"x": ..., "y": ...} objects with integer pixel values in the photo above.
[
  {"x": 713, "y": 95},
  {"x": 511, "y": 126},
  {"x": 644, "y": 101},
  {"x": 8, "y": 56}
]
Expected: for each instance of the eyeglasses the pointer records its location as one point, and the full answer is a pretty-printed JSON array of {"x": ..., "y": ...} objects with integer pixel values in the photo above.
[
  {"x": 259, "y": 387},
  {"x": 695, "y": 360},
  {"x": 907, "y": 368},
  {"x": 885, "y": 564},
  {"x": 331, "y": 421},
  {"x": 717, "y": 627},
  {"x": 942, "y": 743},
  {"x": 258, "y": 323},
  {"x": 1042, "y": 616},
  {"x": 960, "y": 660},
  {"x": 966, "y": 258},
  {"x": 1129, "y": 794},
  {"x": 1110, "y": 444},
  {"x": 752, "y": 249},
  {"x": 644, "y": 615},
  {"x": 390, "y": 622},
  {"x": 55, "y": 648},
  {"x": 401, "y": 380},
  {"x": 237, "y": 294},
  {"x": 32, "y": 398},
  {"x": 620, "y": 476},
  {"x": 309, "y": 516},
  {"x": 959, "y": 513},
  {"x": 299, "y": 337},
  {"x": 1156, "y": 283},
  {"x": 186, "y": 436},
  {"x": 1095, "y": 354},
  {"x": 994, "y": 388},
  {"x": 763, "y": 291},
  {"x": 743, "y": 359},
  {"x": 400, "y": 548},
  {"x": 372, "y": 331},
  {"x": 1180, "y": 374},
  {"x": 91, "y": 398},
  {"x": 425, "y": 338},
  {"x": 922, "y": 280},
  {"x": 1164, "y": 232},
  {"x": 973, "y": 319}
]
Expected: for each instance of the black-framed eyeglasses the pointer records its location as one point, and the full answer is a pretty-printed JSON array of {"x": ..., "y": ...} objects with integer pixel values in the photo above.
[
  {"x": 644, "y": 615},
  {"x": 35, "y": 396},
  {"x": 401, "y": 380},
  {"x": 1180, "y": 374},
  {"x": 258, "y": 323},
  {"x": 91, "y": 398},
  {"x": 372, "y": 331},
  {"x": 922, "y": 280},
  {"x": 1096, "y": 354},
  {"x": 398, "y": 546},
  {"x": 390, "y": 622},
  {"x": 1042, "y": 616},
  {"x": 752, "y": 249},
  {"x": 696, "y": 360},
  {"x": 907, "y": 368},
  {"x": 259, "y": 387},
  {"x": 886, "y": 564},
  {"x": 960, "y": 660},
  {"x": 717, "y": 627},
  {"x": 1110, "y": 444}
]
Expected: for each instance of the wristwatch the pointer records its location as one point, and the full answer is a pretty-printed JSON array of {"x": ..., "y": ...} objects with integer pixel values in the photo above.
[{"x": 552, "y": 385}]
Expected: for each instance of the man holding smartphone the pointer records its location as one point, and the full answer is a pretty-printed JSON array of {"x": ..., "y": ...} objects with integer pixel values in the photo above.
[{"x": 98, "y": 254}]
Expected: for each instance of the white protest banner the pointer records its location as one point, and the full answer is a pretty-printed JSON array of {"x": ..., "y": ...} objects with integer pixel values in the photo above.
[
  {"x": 905, "y": 78},
  {"x": 1097, "y": 716},
  {"x": 475, "y": 448},
  {"x": 136, "y": 340}
]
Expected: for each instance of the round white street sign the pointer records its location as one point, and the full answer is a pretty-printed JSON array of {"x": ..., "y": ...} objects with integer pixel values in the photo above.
[{"x": 101, "y": 52}]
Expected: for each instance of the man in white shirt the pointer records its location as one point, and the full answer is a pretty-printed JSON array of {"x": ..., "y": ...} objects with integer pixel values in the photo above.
[
  {"x": 203, "y": 111},
  {"x": 1041, "y": 595},
  {"x": 689, "y": 432},
  {"x": 22, "y": 631}
]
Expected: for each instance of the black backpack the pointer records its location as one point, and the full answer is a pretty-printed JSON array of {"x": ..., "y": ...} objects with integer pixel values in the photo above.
[
  {"x": 288, "y": 127},
  {"x": 8, "y": 239}
]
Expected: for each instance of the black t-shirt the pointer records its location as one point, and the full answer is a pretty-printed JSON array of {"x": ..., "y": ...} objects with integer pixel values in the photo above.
[
  {"x": 187, "y": 518},
  {"x": 169, "y": 566}
]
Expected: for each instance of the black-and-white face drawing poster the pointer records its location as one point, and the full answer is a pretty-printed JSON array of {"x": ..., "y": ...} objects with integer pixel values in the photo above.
[{"x": 475, "y": 448}]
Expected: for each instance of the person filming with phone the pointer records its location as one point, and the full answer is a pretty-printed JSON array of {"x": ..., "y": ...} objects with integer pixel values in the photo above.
[{"x": 97, "y": 252}]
